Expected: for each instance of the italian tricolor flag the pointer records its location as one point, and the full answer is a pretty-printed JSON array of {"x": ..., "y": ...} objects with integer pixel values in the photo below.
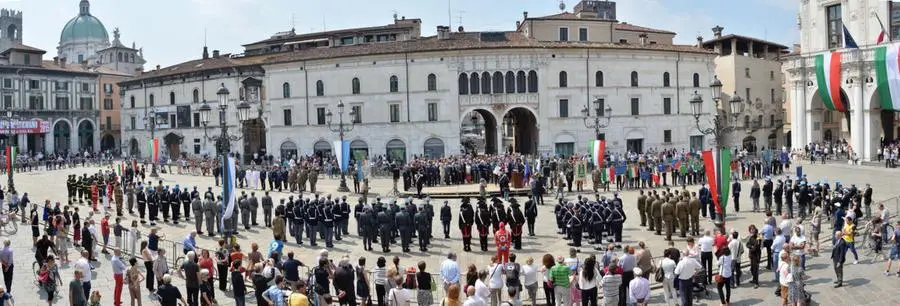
[
  {"x": 828, "y": 79},
  {"x": 597, "y": 150},
  {"x": 887, "y": 72},
  {"x": 11, "y": 153},
  {"x": 718, "y": 174},
  {"x": 153, "y": 145}
]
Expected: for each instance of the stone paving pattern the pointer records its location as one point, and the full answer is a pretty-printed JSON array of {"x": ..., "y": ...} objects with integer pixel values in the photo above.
[{"x": 864, "y": 283}]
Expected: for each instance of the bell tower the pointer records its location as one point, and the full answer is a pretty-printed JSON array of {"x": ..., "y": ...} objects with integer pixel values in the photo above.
[{"x": 10, "y": 28}]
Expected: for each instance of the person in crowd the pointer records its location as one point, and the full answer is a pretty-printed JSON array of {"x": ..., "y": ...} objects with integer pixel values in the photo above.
[
  {"x": 589, "y": 282},
  {"x": 169, "y": 295},
  {"x": 723, "y": 277},
  {"x": 135, "y": 277},
  {"x": 639, "y": 288}
]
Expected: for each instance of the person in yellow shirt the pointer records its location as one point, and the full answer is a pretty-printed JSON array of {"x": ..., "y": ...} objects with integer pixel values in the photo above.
[
  {"x": 849, "y": 233},
  {"x": 298, "y": 297}
]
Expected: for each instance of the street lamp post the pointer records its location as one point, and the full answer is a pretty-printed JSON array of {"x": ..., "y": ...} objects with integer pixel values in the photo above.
[
  {"x": 9, "y": 136},
  {"x": 341, "y": 129},
  {"x": 151, "y": 123},
  {"x": 223, "y": 140},
  {"x": 593, "y": 121},
  {"x": 721, "y": 126}
]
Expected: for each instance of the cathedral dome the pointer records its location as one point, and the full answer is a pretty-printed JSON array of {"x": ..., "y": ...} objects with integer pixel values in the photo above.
[{"x": 84, "y": 27}]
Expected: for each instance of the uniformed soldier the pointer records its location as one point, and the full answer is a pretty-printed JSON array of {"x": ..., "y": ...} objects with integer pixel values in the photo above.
[
  {"x": 299, "y": 216},
  {"x": 695, "y": 214},
  {"x": 335, "y": 207},
  {"x": 118, "y": 194},
  {"x": 186, "y": 203},
  {"x": 617, "y": 219},
  {"x": 385, "y": 231},
  {"x": 429, "y": 212},
  {"x": 421, "y": 219},
  {"x": 312, "y": 222},
  {"x": 302, "y": 175},
  {"x": 405, "y": 228},
  {"x": 244, "y": 204},
  {"x": 365, "y": 190},
  {"x": 141, "y": 198},
  {"x": 531, "y": 214},
  {"x": 357, "y": 214},
  {"x": 345, "y": 216},
  {"x": 292, "y": 180},
  {"x": 483, "y": 223},
  {"x": 210, "y": 215},
  {"x": 163, "y": 197},
  {"x": 197, "y": 207},
  {"x": 574, "y": 225},
  {"x": 254, "y": 206},
  {"x": 446, "y": 216},
  {"x": 175, "y": 203},
  {"x": 153, "y": 206},
  {"x": 681, "y": 212},
  {"x": 466, "y": 219},
  {"x": 516, "y": 222},
  {"x": 367, "y": 223},
  {"x": 327, "y": 218},
  {"x": 129, "y": 197},
  {"x": 777, "y": 196},
  {"x": 656, "y": 211},
  {"x": 668, "y": 216},
  {"x": 642, "y": 207},
  {"x": 313, "y": 178}
]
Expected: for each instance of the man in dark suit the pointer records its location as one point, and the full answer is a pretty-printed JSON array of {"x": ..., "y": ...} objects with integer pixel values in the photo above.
[{"x": 838, "y": 255}]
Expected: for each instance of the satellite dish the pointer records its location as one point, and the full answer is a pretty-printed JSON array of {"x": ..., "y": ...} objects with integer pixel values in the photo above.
[{"x": 562, "y": 5}]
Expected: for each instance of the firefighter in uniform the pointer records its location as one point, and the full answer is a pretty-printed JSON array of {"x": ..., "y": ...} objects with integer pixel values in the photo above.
[{"x": 117, "y": 191}]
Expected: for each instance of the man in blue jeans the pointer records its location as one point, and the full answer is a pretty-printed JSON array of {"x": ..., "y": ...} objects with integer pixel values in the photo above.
[{"x": 777, "y": 246}]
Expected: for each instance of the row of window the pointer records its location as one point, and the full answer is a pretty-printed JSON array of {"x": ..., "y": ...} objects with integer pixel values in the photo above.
[
  {"x": 635, "y": 81},
  {"x": 393, "y": 114},
  {"x": 393, "y": 86},
  {"x": 771, "y": 74},
  {"x": 635, "y": 107},
  {"x": 61, "y": 103},
  {"x": 486, "y": 82},
  {"x": 57, "y": 85}
]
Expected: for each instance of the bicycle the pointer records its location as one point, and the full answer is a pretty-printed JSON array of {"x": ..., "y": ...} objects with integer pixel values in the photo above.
[{"x": 8, "y": 223}]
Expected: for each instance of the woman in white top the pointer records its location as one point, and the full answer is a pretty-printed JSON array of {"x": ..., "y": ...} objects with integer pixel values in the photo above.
[
  {"x": 725, "y": 271},
  {"x": 588, "y": 281},
  {"x": 530, "y": 279},
  {"x": 667, "y": 264},
  {"x": 495, "y": 280},
  {"x": 798, "y": 246},
  {"x": 379, "y": 273}
]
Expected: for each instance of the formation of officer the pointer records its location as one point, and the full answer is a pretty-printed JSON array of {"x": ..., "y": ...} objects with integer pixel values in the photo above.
[{"x": 594, "y": 219}]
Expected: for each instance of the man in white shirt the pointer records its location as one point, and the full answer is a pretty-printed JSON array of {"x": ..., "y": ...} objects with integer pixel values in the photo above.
[
  {"x": 472, "y": 299},
  {"x": 83, "y": 265},
  {"x": 685, "y": 271},
  {"x": 786, "y": 227},
  {"x": 706, "y": 254}
]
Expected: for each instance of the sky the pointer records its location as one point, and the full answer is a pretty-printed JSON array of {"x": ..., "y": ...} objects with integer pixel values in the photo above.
[{"x": 174, "y": 31}]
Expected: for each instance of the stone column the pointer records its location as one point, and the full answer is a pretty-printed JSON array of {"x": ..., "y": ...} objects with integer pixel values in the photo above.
[
  {"x": 73, "y": 138},
  {"x": 48, "y": 142},
  {"x": 23, "y": 143},
  {"x": 858, "y": 133}
]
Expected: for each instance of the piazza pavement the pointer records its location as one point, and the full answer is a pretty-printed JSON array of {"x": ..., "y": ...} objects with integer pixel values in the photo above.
[{"x": 864, "y": 283}]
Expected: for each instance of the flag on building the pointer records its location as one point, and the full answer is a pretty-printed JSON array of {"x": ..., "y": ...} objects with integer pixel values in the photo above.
[
  {"x": 11, "y": 153},
  {"x": 718, "y": 174},
  {"x": 882, "y": 36},
  {"x": 887, "y": 76},
  {"x": 598, "y": 152},
  {"x": 849, "y": 42},
  {"x": 828, "y": 79},
  {"x": 228, "y": 181}
]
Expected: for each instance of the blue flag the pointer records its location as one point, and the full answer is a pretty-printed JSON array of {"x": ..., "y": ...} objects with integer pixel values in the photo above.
[
  {"x": 848, "y": 39},
  {"x": 228, "y": 182}
]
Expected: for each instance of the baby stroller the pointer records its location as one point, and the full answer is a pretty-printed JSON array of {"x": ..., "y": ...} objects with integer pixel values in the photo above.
[{"x": 700, "y": 283}]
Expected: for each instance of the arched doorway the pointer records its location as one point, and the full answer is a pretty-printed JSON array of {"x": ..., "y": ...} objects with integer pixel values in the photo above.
[
  {"x": 881, "y": 126},
  {"x": 134, "y": 149},
  {"x": 288, "y": 149},
  {"x": 823, "y": 119},
  {"x": 108, "y": 142},
  {"x": 62, "y": 136},
  {"x": 396, "y": 151},
  {"x": 86, "y": 136},
  {"x": 749, "y": 144},
  {"x": 254, "y": 135},
  {"x": 322, "y": 148},
  {"x": 829, "y": 135},
  {"x": 479, "y": 132},
  {"x": 520, "y": 133},
  {"x": 173, "y": 145},
  {"x": 359, "y": 150},
  {"x": 433, "y": 148}
]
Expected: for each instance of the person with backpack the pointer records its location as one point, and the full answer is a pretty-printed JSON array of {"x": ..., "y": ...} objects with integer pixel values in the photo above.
[{"x": 512, "y": 271}]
